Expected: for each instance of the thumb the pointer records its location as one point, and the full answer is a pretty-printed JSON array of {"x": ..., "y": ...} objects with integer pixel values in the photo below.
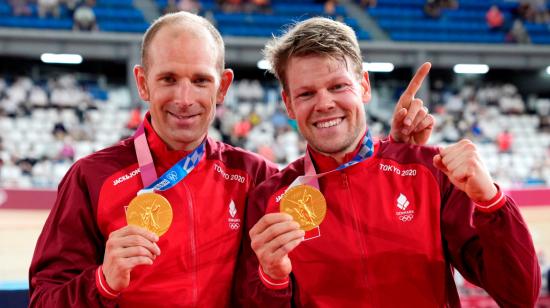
[{"x": 438, "y": 163}]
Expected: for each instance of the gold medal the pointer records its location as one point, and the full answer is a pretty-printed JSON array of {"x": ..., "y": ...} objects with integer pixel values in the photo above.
[
  {"x": 306, "y": 205},
  {"x": 150, "y": 211}
]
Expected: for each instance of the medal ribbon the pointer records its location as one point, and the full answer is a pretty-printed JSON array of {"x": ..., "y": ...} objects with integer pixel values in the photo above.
[
  {"x": 173, "y": 175},
  {"x": 311, "y": 177}
]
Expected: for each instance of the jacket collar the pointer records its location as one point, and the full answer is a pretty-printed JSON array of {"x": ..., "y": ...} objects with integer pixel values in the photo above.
[
  {"x": 325, "y": 163},
  {"x": 163, "y": 157}
]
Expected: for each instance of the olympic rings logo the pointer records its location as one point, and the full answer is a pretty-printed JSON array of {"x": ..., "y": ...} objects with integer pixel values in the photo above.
[
  {"x": 234, "y": 225},
  {"x": 172, "y": 176},
  {"x": 405, "y": 218}
]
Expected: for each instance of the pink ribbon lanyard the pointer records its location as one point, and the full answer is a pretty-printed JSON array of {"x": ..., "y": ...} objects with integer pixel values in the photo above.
[{"x": 145, "y": 160}]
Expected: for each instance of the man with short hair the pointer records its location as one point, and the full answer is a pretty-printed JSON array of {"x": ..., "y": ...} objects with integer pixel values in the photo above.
[
  {"x": 87, "y": 255},
  {"x": 397, "y": 217}
]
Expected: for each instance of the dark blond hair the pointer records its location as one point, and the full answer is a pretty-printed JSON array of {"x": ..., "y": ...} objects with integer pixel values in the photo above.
[
  {"x": 315, "y": 36},
  {"x": 184, "y": 18}
]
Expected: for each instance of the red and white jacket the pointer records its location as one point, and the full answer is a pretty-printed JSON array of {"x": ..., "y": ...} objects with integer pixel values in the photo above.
[
  {"x": 394, "y": 230},
  {"x": 198, "y": 252}
]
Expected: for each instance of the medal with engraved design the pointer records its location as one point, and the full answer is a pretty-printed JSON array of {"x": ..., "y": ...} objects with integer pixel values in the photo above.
[
  {"x": 150, "y": 211},
  {"x": 306, "y": 205}
]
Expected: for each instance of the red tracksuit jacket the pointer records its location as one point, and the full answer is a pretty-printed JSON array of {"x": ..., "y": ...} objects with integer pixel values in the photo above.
[
  {"x": 198, "y": 253},
  {"x": 395, "y": 227}
]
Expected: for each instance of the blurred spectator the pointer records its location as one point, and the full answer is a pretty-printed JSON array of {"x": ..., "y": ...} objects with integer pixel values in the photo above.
[
  {"x": 20, "y": 7},
  {"x": 67, "y": 150},
  {"x": 59, "y": 131},
  {"x": 494, "y": 18},
  {"x": 192, "y": 6},
  {"x": 135, "y": 118},
  {"x": 84, "y": 17},
  {"x": 448, "y": 4},
  {"x": 330, "y": 7},
  {"x": 432, "y": 9},
  {"x": 368, "y": 3},
  {"x": 26, "y": 164},
  {"x": 518, "y": 33},
  {"x": 537, "y": 11},
  {"x": 263, "y": 6},
  {"x": 230, "y": 6},
  {"x": 504, "y": 141},
  {"x": 46, "y": 7},
  {"x": 173, "y": 6}
]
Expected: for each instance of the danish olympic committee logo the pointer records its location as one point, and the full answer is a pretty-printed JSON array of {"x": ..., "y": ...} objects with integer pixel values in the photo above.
[
  {"x": 234, "y": 221},
  {"x": 403, "y": 212}
]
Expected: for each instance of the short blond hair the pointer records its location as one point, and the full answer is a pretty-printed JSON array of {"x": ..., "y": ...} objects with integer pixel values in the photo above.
[
  {"x": 186, "y": 18},
  {"x": 315, "y": 36}
]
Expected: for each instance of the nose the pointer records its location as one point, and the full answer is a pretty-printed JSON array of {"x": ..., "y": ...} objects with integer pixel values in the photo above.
[
  {"x": 184, "y": 93},
  {"x": 324, "y": 101}
]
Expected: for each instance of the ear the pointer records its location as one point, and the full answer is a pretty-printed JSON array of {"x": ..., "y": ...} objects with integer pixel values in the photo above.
[
  {"x": 288, "y": 105},
  {"x": 225, "y": 82},
  {"x": 141, "y": 82},
  {"x": 365, "y": 88}
]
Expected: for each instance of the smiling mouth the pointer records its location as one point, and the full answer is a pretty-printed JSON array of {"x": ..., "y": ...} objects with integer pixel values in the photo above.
[
  {"x": 182, "y": 117},
  {"x": 330, "y": 123}
]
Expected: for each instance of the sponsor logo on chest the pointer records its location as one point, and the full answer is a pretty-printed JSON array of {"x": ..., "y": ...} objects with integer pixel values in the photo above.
[{"x": 126, "y": 177}]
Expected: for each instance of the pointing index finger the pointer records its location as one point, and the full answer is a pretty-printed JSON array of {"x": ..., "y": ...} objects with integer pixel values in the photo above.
[{"x": 415, "y": 84}]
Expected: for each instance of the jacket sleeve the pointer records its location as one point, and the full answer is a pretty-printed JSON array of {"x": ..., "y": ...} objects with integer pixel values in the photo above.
[
  {"x": 249, "y": 290},
  {"x": 493, "y": 250},
  {"x": 69, "y": 250}
]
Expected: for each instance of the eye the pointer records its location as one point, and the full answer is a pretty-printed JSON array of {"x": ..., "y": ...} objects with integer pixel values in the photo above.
[
  {"x": 305, "y": 94},
  {"x": 201, "y": 81},
  {"x": 168, "y": 79},
  {"x": 338, "y": 86}
]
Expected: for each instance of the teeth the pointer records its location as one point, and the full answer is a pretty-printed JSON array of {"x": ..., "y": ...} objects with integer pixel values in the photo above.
[
  {"x": 329, "y": 123},
  {"x": 180, "y": 117}
]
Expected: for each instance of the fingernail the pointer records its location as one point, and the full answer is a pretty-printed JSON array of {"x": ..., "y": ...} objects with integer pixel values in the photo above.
[
  {"x": 405, "y": 131},
  {"x": 408, "y": 121}
]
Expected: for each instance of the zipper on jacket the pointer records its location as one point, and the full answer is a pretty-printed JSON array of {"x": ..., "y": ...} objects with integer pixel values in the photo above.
[
  {"x": 357, "y": 227},
  {"x": 193, "y": 246}
]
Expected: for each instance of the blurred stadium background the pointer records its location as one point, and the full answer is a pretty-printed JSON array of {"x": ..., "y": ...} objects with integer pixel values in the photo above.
[{"x": 67, "y": 89}]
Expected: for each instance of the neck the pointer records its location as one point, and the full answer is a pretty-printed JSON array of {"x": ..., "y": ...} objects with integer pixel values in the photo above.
[
  {"x": 178, "y": 146},
  {"x": 340, "y": 157}
]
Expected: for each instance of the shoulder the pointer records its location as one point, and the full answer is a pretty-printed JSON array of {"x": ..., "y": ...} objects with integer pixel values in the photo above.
[
  {"x": 279, "y": 180},
  {"x": 106, "y": 161},
  {"x": 407, "y": 153},
  {"x": 233, "y": 157}
]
